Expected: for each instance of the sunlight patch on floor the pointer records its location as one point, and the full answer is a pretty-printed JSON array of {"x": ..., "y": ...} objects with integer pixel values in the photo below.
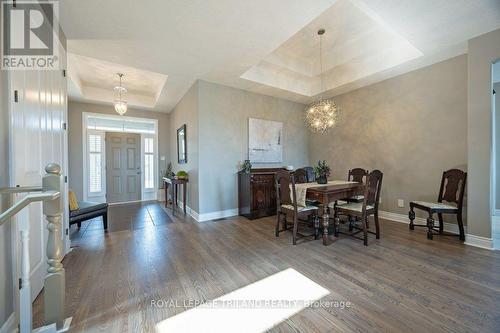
[{"x": 254, "y": 308}]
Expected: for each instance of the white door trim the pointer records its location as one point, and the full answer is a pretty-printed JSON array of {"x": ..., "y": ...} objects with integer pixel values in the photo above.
[{"x": 85, "y": 116}]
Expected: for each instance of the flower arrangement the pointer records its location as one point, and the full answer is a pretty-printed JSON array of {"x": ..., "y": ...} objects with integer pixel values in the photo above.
[{"x": 322, "y": 171}]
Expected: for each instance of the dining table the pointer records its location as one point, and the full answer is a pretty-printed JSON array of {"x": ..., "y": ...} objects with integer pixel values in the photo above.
[{"x": 325, "y": 194}]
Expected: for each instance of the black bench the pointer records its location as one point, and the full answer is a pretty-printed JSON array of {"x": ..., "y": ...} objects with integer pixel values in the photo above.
[{"x": 89, "y": 210}]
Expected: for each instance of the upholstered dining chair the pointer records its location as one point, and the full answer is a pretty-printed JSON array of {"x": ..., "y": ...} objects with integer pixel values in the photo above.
[
  {"x": 364, "y": 209},
  {"x": 452, "y": 192},
  {"x": 287, "y": 205}
]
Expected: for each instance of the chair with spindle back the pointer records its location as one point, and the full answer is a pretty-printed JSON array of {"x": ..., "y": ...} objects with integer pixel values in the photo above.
[
  {"x": 452, "y": 190},
  {"x": 286, "y": 203}
]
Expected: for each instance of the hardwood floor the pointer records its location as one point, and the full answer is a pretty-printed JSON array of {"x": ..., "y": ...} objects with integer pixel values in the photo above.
[{"x": 400, "y": 283}]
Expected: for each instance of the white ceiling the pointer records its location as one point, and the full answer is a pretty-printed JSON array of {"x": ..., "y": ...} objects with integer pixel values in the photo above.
[{"x": 270, "y": 47}]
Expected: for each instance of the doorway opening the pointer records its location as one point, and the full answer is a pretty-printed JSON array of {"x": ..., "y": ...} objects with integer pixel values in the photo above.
[{"x": 120, "y": 158}]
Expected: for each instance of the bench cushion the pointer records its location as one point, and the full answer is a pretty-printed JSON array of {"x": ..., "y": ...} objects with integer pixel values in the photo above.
[{"x": 85, "y": 207}]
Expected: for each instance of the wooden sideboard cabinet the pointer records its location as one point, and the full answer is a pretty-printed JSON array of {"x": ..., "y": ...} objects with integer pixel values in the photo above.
[{"x": 257, "y": 193}]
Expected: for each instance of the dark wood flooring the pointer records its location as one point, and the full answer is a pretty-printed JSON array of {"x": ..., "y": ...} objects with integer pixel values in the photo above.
[{"x": 400, "y": 283}]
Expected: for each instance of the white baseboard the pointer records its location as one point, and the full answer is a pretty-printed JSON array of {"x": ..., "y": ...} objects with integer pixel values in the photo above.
[
  {"x": 191, "y": 212},
  {"x": 10, "y": 324},
  {"x": 478, "y": 241},
  {"x": 448, "y": 227},
  {"x": 217, "y": 215},
  {"x": 161, "y": 195},
  {"x": 205, "y": 217}
]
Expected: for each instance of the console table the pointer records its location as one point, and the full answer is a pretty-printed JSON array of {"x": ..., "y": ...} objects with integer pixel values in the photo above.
[{"x": 176, "y": 183}]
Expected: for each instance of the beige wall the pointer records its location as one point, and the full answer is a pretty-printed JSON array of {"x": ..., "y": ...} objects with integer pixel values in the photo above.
[
  {"x": 6, "y": 291},
  {"x": 186, "y": 112},
  {"x": 483, "y": 52},
  {"x": 411, "y": 127},
  {"x": 223, "y": 133},
  {"x": 75, "y": 137}
]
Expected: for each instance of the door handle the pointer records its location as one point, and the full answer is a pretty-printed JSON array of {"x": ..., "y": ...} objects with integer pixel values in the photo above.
[{"x": 139, "y": 173}]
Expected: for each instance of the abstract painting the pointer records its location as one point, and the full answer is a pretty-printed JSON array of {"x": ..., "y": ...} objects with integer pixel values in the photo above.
[{"x": 265, "y": 141}]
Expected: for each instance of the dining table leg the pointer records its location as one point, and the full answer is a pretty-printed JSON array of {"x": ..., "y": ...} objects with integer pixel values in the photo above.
[{"x": 326, "y": 218}]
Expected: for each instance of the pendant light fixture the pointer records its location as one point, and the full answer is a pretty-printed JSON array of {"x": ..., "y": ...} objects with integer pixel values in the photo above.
[
  {"x": 321, "y": 115},
  {"x": 120, "y": 97}
]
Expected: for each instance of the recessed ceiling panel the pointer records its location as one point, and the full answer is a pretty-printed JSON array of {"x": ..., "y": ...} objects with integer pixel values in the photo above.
[
  {"x": 357, "y": 44},
  {"x": 94, "y": 79}
]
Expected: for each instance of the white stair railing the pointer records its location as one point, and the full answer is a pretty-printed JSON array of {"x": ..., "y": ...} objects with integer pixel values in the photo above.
[{"x": 54, "y": 286}]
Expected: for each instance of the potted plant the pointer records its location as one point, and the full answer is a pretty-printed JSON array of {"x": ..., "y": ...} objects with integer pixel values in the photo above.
[
  {"x": 182, "y": 175},
  {"x": 322, "y": 171},
  {"x": 246, "y": 167}
]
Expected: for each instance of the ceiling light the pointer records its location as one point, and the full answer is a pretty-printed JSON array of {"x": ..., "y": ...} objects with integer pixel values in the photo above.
[
  {"x": 322, "y": 114},
  {"x": 120, "y": 102}
]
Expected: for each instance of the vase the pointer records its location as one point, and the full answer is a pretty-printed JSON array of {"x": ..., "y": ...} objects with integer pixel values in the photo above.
[{"x": 321, "y": 180}]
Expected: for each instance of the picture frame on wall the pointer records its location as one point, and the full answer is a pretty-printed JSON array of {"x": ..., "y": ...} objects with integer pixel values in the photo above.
[
  {"x": 181, "y": 145},
  {"x": 265, "y": 141}
]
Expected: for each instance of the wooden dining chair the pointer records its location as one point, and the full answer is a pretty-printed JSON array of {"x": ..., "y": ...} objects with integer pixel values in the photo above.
[
  {"x": 311, "y": 176},
  {"x": 357, "y": 175},
  {"x": 286, "y": 203},
  {"x": 354, "y": 175},
  {"x": 300, "y": 176},
  {"x": 452, "y": 191},
  {"x": 364, "y": 209}
]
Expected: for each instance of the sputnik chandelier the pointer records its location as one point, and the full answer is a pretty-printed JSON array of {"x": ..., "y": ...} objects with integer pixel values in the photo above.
[{"x": 321, "y": 115}]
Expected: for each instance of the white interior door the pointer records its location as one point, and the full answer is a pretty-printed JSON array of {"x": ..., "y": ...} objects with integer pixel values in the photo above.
[
  {"x": 123, "y": 167},
  {"x": 37, "y": 138}
]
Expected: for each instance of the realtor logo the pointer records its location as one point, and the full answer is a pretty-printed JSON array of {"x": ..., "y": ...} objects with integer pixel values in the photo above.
[{"x": 30, "y": 35}]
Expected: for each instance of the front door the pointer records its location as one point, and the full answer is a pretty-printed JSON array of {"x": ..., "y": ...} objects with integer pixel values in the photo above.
[{"x": 123, "y": 167}]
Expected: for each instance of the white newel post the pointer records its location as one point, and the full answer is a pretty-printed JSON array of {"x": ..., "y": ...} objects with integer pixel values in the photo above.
[{"x": 54, "y": 286}]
